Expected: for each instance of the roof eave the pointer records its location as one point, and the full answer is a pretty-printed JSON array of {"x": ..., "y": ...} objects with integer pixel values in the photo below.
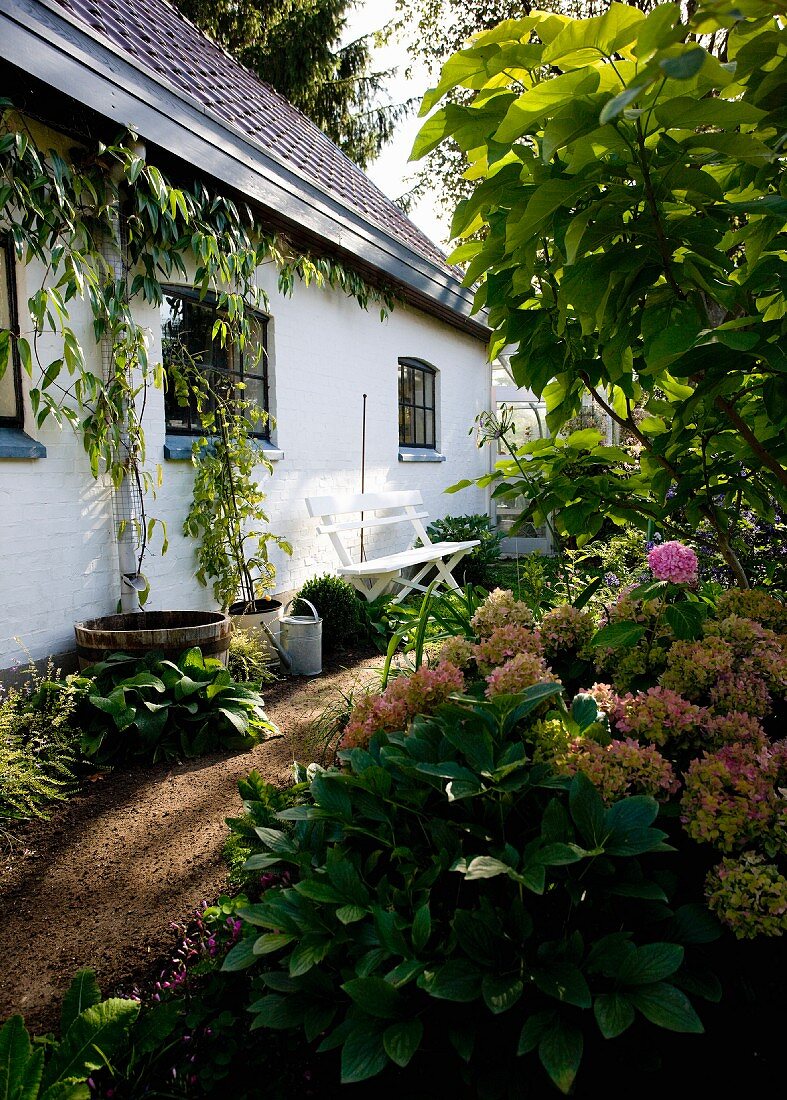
[{"x": 40, "y": 38}]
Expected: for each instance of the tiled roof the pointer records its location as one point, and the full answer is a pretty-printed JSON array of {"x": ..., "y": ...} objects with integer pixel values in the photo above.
[{"x": 164, "y": 43}]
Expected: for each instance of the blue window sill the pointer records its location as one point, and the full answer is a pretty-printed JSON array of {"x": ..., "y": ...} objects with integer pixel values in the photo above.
[
  {"x": 178, "y": 448},
  {"x": 14, "y": 443},
  {"x": 419, "y": 454}
]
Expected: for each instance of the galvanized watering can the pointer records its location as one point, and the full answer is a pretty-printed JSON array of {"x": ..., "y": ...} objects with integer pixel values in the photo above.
[{"x": 300, "y": 647}]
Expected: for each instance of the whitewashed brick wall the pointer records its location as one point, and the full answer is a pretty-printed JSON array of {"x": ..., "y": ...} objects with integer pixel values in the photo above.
[{"x": 58, "y": 561}]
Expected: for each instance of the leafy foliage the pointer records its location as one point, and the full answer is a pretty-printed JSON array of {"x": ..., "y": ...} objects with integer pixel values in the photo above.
[
  {"x": 92, "y": 1031},
  {"x": 159, "y": 709},
  {"x": 339, "y": 608},
  {"x": 475, "y": 567},
  {"x": 626, "y": 224},
  {"x": 448, "y": 890},
  {"x": 39, "y": 745},
  {"x": 249, "y": 659}
]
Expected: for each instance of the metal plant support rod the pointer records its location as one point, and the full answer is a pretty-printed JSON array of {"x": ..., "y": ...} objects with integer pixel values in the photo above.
[{"x": 363, "y": 468}]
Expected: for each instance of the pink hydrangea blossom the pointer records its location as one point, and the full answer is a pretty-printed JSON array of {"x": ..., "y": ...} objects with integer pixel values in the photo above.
[
  {"x": 661, "y": 716},
  {"x": 504, "y": 643},
  {"x": 518, "y": 674},
  {"x": 405, "y": 697},
  {"x": 622, "y": 768},
  {"x": 672, "y": 561},
  {"x": 500, "y": 608}
]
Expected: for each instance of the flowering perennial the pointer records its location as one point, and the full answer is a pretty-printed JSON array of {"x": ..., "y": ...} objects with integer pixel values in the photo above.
[
  {"x": 749, "y": 896},
  {"x": 672, "y": 561},
  {"x": 504, "y": 643},
  {"x": 500, "y": 609},
  {"x": 732, "y": 798},
  {"x": 622, "y": 768},
  {"x": 405, "y": 697},
  {"x": 518, "y": 674},
  {"x": 565, "y": 628},
  {"x": 660, "y": 715}
]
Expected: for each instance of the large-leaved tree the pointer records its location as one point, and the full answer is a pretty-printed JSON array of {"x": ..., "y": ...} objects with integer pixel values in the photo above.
[{"x": 627, "y": 227}]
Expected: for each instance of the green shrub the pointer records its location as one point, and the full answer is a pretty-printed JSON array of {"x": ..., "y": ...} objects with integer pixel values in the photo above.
[
  {"x": 39, "y": 744},
  {"x": 452, "y": 900},
  {"x": 249, "y": 660},
  {"x": 92, "y": 1031},
  {"x": 157, "y": 709},
  {"x": 475, "y": 567},
  {"x": 261, "y": 803},
  {"x": 339, "y": 608}
]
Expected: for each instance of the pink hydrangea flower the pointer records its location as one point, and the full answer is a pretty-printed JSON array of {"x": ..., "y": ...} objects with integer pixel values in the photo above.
[
  {"x": 518, "y": 674},
  {"x": 660, "y": 715},
  {"x": 622, "y": 768},
  {"x": 405, "y": 697},
  {"x": 504, "y": 643},
  {"x": 672, "y": 561}
]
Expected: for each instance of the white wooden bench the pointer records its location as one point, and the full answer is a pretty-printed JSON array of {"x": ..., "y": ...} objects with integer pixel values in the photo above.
[{"x": 372, "y": 575}]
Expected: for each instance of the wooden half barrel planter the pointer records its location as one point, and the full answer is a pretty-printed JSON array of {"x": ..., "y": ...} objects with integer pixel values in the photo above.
[{"x": 168, "y": 632}]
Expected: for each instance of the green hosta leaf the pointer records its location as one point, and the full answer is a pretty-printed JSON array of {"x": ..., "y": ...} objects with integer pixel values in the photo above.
[
  {"x": 693, "y": 924},
  {"x": 534, "y": 1030},
  {"x": 82, "y": 993},
  {"x": 349, "y": 914},
  {"x": 21, "y": 1067},
  {"x": 482, "y": 867},
  {"x": 271, "y": 941},
  {"x": 276, "y": 1012},
  {"x": 240, "y": 957},
  {"x": 92, "y": 1038},
  {"x": 667, "y": 1007},
  {"x": 501, "y": 993},
  {"x": 587, "y": 809},
  {"x": 565, "y": 983},
  {"x": 453, "y": 981},
  {"x": 618, "y": 635},
  {"x": 560, "y": 1052},
  {"x": 650, "y": 963},
  {"x": 402, "y": 1040},
  {"x": 311, "y": 950},
  {"x": 614, "y": 1014},
  {"x": 330, "y": 793},
  {"x": 584, "y": 711},
  {"x": 422, "y": 928},
  {"x": 363, "y": 1054},
  {"x": 376, "y": 997},
  {"x": 685, "y": 620}
]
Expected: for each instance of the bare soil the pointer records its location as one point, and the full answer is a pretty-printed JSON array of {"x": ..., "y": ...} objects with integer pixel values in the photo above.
[{"x": 100, "y": 884}]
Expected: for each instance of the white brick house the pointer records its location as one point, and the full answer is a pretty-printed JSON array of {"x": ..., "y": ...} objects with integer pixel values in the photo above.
[{"x": 76, "y": 66}]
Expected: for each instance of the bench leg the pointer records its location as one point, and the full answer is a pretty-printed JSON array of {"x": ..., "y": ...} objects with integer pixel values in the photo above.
[{"x": 374, "y": 586}]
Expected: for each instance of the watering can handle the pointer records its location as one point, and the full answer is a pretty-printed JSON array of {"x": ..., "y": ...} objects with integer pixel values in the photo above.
[{"x": 300, "y": 599}]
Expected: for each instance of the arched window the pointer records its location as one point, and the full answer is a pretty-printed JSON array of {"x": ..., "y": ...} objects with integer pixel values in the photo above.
[
  {"x": 416, "y": 404},
  {"x": 10, "y": 376}
]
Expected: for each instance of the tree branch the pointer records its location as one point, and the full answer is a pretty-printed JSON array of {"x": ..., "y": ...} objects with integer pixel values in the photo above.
[{"x": 743, "y": 428}]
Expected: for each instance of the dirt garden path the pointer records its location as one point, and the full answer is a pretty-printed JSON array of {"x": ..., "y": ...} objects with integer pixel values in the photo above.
[{"x": 100, "y": 883}]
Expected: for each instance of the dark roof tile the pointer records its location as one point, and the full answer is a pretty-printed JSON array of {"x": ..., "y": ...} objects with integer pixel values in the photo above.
[{"x": 171, "y": 47}]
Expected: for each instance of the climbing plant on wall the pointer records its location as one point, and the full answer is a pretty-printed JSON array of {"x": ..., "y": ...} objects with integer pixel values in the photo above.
[{"x": 72, "y": 217}]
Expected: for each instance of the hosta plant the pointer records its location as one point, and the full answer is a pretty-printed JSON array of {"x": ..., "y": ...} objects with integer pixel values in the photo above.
[
  {"x": 160, "y": 709},
  {"x": 451, "y": 899}
]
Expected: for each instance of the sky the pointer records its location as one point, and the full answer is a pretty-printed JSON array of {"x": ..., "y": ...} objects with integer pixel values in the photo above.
[{"x": 391, "y": 170}]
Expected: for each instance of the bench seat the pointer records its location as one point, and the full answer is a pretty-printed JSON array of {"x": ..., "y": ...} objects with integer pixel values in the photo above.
[{"x": 372, "y": 575}]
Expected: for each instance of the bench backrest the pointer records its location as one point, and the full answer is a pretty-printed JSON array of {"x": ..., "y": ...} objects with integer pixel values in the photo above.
[{"x": 400, "y": 506}]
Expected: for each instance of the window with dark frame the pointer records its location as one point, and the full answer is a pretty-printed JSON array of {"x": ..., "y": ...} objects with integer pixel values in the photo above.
[
  {"x": 11, "y": 381},
  {"x": 416, "y": 404},
  {"x": 187, "y": 337}
]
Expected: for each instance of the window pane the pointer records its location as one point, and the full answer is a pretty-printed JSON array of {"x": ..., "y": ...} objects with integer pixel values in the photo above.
[
  {"x": 429, "y": 439},
  {"x": 420, "y": 427},
  {"x": 188, "y": 347},
  {"x": 407, "y": 421},
  {"x": 419, "y": 387},
  {"x": 429, "y": 389},
  {"x": 7, "y": 389}
]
